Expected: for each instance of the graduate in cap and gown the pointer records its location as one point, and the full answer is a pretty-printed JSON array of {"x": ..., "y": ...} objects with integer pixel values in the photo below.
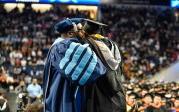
[{"x": 106, "y": 94}]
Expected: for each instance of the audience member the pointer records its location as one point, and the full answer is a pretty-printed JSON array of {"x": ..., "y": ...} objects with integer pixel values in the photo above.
[{"x": 34, "y": 90}]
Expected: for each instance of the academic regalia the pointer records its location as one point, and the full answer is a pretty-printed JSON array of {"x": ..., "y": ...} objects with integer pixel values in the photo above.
[
  {"x": 106, "y": 94},
  {"x": 69, "y": 67}
]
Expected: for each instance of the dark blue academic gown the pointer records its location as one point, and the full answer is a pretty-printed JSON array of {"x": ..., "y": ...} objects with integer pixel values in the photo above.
[{"x": 69, "y": 67}]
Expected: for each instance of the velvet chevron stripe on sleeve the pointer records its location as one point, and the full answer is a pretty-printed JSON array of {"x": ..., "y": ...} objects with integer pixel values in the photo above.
[{"x": 83, "y": 60}]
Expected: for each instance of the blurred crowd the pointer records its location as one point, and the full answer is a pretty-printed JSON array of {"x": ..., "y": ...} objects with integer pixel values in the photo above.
[
  {"x": 34, "y": 24},
  {"x": 147, "y": 36},
  {"x": 145, "y": 96},
  {"x": 25, "y": 38}
]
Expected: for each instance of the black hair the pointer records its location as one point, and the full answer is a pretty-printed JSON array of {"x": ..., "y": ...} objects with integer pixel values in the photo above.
[{"x": 148, "y": 94}]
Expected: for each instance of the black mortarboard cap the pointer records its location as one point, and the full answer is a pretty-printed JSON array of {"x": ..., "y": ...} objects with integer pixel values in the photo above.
[
  {"x": 134, "y": 94},
  {"x": 148, "y": 94},
  {"x": 93, "y": 27},
  {"x": 159, "y": 95}
]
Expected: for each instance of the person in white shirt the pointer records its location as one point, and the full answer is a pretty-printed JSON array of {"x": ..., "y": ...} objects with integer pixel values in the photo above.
[{"x": 34, "y": 90}]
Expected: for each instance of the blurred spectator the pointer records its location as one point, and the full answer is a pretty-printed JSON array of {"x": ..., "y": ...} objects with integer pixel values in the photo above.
[
  {"x": 145, "y": 104},
  {"x": 176, "y": 104},
  {"x": 4, "y": 107},
  {"x": 3, "y": 77},
  {"x": 131, "y": 103},
  {"x": 21, "y": 87},
  {"x": 34, "y": 108},
  {"x": 34, "y": 90},
  {"x": 157, "y": 105}
]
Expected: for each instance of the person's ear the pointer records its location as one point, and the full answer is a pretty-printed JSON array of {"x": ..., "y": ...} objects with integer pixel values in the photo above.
[{"x": 70, "y": 33}]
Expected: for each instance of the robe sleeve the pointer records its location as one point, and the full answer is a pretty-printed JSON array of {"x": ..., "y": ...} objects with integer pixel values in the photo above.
[{"x": 77, "y": 62}]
